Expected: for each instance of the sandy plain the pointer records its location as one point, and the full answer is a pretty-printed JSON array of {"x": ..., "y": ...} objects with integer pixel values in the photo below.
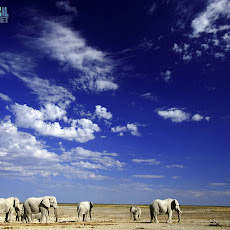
[{"x": 116, "y": 217}]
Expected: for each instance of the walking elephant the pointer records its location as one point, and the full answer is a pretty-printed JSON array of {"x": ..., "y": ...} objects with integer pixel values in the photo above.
[
  {"x": 84, "y": 208},
  {"x": 41, "y": 205},
  {"x": 135, "y": 212},
  {"x": 158, "y": 207},
  {"x": 8, "y": 206}
]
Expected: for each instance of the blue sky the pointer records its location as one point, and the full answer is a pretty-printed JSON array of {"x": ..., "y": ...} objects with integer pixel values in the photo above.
[{"x": 116, "y": 101}]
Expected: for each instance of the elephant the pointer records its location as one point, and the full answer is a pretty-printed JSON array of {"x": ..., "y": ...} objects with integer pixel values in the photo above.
[
  {"x": 166, "y": 206},
  {"x": 8, "y": 206},
  {"x": 84, "y": 208},
  {"x": 34, "y": 216},
  {"x": 135, "y": 212},
  {"x": 35, "y": 205},
  {"x": 20, "y": 213}
]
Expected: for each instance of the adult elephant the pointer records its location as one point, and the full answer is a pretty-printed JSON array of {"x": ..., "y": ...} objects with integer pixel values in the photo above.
[
  {"x": 158, "y": 207},
  {"x": 8, "y": 206},
  {"x": 34, "y": 205},
  {"x": 84, "y": 208},
  {"x": 135, "y": 212}
]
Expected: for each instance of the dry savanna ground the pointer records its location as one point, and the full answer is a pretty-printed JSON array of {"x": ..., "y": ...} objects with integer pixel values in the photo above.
[{"x": 117, "y": 217}]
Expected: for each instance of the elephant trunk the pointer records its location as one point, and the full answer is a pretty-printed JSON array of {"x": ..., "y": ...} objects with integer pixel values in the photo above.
[
  {"x": 179, "y": 214},
  {"x": 56, "y": 214}
]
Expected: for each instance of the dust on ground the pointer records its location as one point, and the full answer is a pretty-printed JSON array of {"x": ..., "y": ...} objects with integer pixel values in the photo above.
[{"x": 117, "y": 217}]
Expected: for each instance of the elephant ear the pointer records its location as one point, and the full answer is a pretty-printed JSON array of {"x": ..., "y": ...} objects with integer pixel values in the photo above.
[
  {"x": 91, "y": 205},
  {"x": 46, "y": 202},
  {"x": 173, "y": 204}
]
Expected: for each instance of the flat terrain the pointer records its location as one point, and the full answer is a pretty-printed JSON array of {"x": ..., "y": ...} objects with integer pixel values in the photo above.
[{"x": 117, "y": 217}]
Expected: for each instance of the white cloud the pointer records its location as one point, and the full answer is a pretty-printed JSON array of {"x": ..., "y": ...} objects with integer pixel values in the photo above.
[
  {"x": 175, "y": 166},
  {"x": 23, "y": 156},
  {"x": 197, "y": 117},
  {"x": 218, "y": 184},
  {"x": 166, "y": 76},
  {"x": 49, "y": 93},
  {"x": 65, "y": 5},
  {"x": 149, "y": 96},
  {"x": 146, "y": 161},
  {"x": 129, "y": 127},
  {"x": 4, "y": 97},
  {"x": 92, "y": 160},
  {"x": 67, "y": 46},
  {"x": 176, "y": 115},
  {"x": 133, "y": 129},
  {"x": 101, "y": 112},
  {"x": 205, "y": 22},
  {"x": 149, "y": 176},
  {"x": 105, "y": 85},
  {"x": 81, "y": 130}
]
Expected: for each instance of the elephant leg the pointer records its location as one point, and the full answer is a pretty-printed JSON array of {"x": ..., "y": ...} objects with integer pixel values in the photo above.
[
  {"x": 155, "y": 218},
  {"x": 169, "y": 217},
  {"x": 7, "y": 216},
  {"x": 10, "y": 215},
  {"x": 90, "y": 215}
]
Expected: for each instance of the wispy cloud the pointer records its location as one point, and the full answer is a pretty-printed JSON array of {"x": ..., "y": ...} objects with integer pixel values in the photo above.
[
  {"x": 175, "y": 166},
  {"x": 65, "y": 5},
  {"x": 68, "y": 47},
  {"x": 4, "y": 97},
  {"x": 149, "y": 96},
  {"x": 149, "y": 176},
  {"x": 218, "y": 184},
  {"x": 166, "y": 76},
  {"x": 146, "y": 161},
  {"x": 205, "y": 22}
]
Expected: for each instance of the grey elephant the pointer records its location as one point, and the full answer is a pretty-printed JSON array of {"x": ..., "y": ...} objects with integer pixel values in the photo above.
[
  {"x": 35, "y": 205},
  {"x": 84, "y": 208},
  {"x": 158, "y": 207},
  {"x": 135, "y": 212},
  {"x": 8, "y": 206}
]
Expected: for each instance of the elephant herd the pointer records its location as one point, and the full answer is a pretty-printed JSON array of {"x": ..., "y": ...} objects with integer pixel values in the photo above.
[{"x": 38, "y": 208}]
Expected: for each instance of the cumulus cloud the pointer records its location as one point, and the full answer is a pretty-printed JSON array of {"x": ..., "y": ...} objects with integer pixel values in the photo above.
[
  {"x": 197, "y": 117},
  {"x": 101, "y": 112},
  {"x": 70, "y": 48},
  {"x": 146, "y": 161},
  {"x": 176, "y": 115},
  {"x": 132, "y": 128},
  {"x": 23, "y": 156},
  {"x": 4, "y": 97},
  {"x": 65, "y": 5},
  {"x": 81, "y": 130}
]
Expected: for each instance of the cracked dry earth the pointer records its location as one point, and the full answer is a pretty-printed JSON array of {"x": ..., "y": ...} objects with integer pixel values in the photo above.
[{"x": 117, "y": 217}]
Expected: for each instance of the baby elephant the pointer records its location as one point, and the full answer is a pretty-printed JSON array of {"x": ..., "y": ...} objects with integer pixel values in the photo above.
[
  {"x": 84, "y": 208},
  {"x": 135, "y": 212}
]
